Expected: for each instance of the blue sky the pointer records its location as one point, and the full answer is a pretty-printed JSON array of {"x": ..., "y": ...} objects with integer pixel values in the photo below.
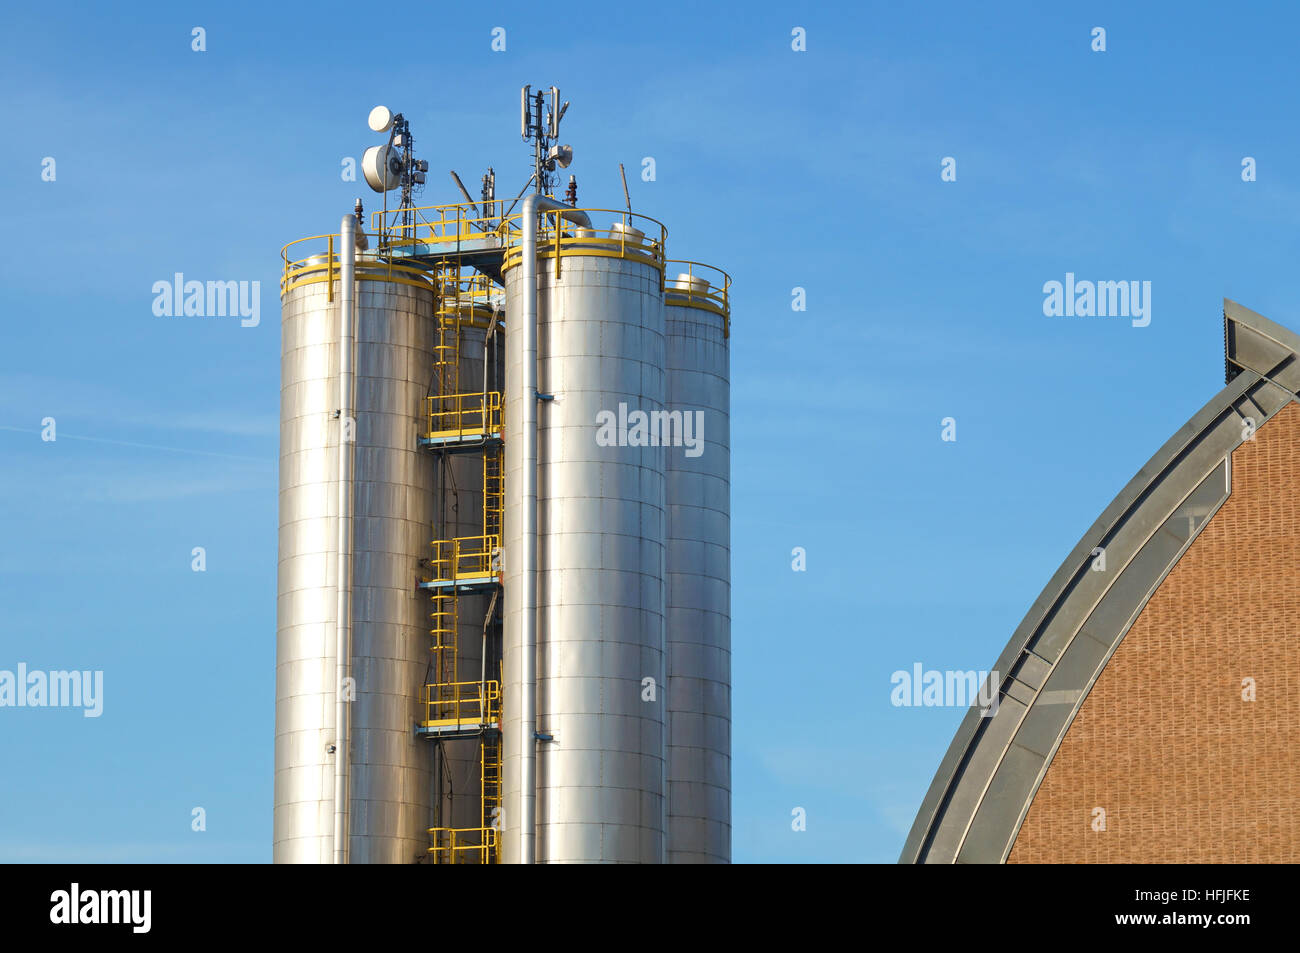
[{"x": 816, "y": 169}]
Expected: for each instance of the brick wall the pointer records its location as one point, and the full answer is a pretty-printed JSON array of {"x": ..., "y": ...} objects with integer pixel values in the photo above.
[{"x": 1187, "y": 771}]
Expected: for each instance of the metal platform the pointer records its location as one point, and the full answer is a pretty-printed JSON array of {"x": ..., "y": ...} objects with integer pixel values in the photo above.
[
  {"x": 461, "y": 442},
  {"x": 450, "y": 730},
  {"x": 484, "y": 253},
  {"x": 476, "y": 583}
]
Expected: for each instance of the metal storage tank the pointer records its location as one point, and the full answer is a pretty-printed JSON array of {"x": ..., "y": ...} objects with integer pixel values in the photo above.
[
  {"x": 390, "y": 795},
  {"x": 600, "y": 561},
  {"x": 698, "y": 626}
]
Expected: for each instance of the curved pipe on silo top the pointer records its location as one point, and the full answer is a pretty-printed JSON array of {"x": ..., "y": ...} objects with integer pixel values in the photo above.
[{"x": 698, "y": 622}]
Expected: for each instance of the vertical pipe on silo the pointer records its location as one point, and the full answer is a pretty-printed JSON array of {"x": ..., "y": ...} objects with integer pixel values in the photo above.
[
  {"x": 343, "y": 619},
  {"x": 527, "y": 740},
  {"x": 528, "y": 550}
]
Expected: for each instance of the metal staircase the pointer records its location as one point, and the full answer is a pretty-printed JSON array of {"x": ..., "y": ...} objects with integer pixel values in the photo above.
[{"x": 465, "y": 422}]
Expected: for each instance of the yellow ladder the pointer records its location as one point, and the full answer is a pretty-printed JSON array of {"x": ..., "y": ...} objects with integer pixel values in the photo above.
[
  {"x": 445, "y": 619},
  {"x": 494, "y": 495},
  {"x": 450, "y": 412},
  {"x": 445, "y": 616},
  {"x": 490, "y": 795},
  {"x": 482, "y": 844},
  {"x": 446, "y": 351}
]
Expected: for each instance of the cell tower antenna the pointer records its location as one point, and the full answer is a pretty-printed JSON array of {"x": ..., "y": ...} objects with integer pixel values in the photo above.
[{"x": 543, "y": 132}]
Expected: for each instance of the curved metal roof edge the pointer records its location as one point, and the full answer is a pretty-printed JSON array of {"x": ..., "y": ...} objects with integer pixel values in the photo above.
[
  {"x": 1263, "y": 359},
  {"x": 1253, "y": 342}
]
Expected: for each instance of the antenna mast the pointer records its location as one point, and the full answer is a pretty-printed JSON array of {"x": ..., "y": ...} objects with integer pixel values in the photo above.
[
  {"x": 626, "y": 198},
  {"x": 543, "y": 134}
]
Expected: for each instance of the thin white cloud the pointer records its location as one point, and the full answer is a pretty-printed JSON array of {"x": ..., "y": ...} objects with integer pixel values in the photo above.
[
  {"x": 120, "y": 853},
  {"x": 133, "y": 488},
  {"x": 100, "y": 479},
  {"x": 29, "y": 397},
  {"x": 63, "y": 435}
]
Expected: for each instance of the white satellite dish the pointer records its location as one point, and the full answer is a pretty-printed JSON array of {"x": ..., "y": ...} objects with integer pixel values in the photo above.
[
  {"x": 563, "y": 155},
  {"x": 381, "y": 118},
  {"x": 382, "y": 167}
]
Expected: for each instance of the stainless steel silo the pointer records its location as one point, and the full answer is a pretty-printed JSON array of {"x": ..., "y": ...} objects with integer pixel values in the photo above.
[
  {"x": 390, "y": 794},
  {"x": 599, "y": 559},
  {"x": 698, "y": 622}
]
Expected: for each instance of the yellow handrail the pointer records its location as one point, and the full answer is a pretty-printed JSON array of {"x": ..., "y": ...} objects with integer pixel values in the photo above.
[
  {"x": 450, "y": 841},
  {"x": 462, "y": 703},
  {"x": 558, "y": 240},
  {"x": 322, "y": 267},
  {"x": 460, "y": 414},
  {"x": 714, "y": 296},
  {"x": 454, "y": 559},
  {"x": 439, "y": 223}
]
